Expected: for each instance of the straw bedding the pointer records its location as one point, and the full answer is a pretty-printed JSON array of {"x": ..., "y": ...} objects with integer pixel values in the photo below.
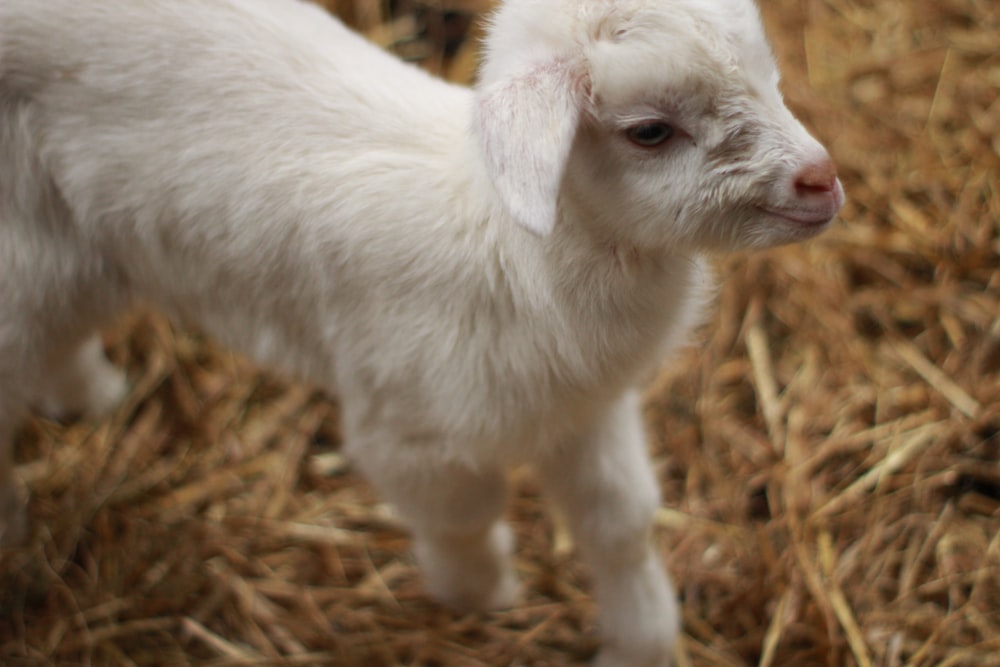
[{"x": 828, "y": 450}]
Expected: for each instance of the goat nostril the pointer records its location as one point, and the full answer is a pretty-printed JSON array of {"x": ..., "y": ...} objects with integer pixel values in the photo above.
[{"x": 818, "y": 177}]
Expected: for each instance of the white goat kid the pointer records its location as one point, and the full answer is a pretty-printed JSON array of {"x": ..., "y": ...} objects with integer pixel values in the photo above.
[{"x": 482, "y": 276}]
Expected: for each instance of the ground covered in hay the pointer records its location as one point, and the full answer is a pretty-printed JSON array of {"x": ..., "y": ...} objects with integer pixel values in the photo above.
[{"x": 828, "y": 451}]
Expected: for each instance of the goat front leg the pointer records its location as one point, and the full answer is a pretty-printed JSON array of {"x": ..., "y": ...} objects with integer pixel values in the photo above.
[
  {"x": 604, "y": 484},
  {"x": 462, "y": 548}
]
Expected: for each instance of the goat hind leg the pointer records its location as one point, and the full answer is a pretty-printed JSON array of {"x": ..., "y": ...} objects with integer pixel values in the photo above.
[
  {"x": 62, "y": 384},
  {"x": 13, "y": 497},
  {"x": 81, "y": 382}
]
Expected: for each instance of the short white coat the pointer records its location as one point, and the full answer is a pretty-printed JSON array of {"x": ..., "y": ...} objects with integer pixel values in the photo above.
[{"x": 481, "y": 276}]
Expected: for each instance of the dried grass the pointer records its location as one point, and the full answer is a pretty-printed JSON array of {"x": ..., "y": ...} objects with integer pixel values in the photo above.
[{"x": 828, "y": 453}]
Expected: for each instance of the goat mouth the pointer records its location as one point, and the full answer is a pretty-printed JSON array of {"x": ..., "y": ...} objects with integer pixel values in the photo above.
[
  {"x": 814, "y": 214},
  {"x": 807, "y": 218},
  {"x": 801, "y": 218}
]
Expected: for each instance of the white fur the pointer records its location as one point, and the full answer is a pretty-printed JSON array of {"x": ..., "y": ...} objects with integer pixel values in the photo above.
[{"x": 481, "y": 276}]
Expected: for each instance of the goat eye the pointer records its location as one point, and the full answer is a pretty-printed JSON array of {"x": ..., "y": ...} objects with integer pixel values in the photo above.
[{"x": 649, "y": 134}]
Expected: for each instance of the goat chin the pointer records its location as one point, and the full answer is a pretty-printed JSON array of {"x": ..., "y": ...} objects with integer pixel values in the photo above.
[{"x": 481, "y": 275}]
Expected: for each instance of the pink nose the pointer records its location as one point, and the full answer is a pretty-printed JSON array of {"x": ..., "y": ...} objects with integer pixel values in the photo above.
[
  {"x": 812, "y": 196},
  {"x": 818, "y": 177}
]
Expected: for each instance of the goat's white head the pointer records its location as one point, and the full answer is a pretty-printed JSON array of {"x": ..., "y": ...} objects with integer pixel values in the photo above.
[{"x": 661, "y": 119}]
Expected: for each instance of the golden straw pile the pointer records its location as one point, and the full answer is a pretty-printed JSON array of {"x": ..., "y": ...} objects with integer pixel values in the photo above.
[{"x": 828, "y": 449}]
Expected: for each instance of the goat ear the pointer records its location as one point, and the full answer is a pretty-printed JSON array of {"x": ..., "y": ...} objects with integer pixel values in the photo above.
[{"x": 526, "y": 126}]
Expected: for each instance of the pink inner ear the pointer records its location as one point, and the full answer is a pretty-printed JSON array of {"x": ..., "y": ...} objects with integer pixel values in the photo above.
[{"x": 526, "y": 124}]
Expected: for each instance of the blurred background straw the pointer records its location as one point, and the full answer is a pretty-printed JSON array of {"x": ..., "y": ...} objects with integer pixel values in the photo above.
[{"x": 828, "y": 449}]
